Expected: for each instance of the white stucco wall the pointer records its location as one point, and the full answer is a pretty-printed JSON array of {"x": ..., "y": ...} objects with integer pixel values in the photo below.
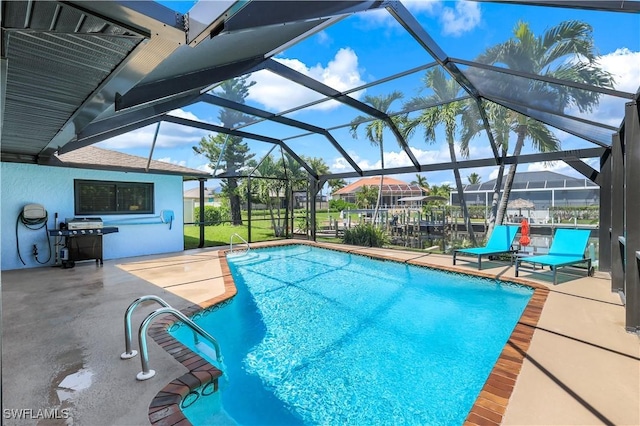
[{"x": 53, "y": 188}]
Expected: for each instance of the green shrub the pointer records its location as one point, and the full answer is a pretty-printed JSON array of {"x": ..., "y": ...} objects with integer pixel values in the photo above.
[
  {"x": 340, "y": 205},
  {"x": 365, "y": 234},
  {"x": 213, "y": 215}
]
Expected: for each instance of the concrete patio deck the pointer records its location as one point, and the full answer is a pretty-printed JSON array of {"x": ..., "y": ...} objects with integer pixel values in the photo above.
[{"x": 581, "y": 366}]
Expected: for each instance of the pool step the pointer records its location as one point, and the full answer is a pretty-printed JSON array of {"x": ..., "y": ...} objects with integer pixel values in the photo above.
[{"x": 183, "y": 391}]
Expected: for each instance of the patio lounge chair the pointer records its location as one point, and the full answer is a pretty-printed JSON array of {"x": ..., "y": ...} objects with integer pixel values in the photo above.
[
  {"x": 567, "y": 248},
  {"x": 500, "y": 242}
]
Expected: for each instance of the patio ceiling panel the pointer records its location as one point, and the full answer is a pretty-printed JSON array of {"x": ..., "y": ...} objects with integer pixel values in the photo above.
[
  {"x": 212, "y": 61},
  {"x": 48, "y": 77},
  {"x": 271, "y": 13},
  {"x": 88, "y": 57}
]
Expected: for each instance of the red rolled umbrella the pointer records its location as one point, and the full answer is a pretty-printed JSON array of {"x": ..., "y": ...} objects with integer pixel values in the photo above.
[{"x": 524, "y": 233}]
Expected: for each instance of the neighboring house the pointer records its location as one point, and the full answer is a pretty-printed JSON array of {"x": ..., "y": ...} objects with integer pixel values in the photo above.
[
  {"x": 544, "y": 189},
  {"x": 210, "y": 196},
  {"x": 192, "y": 200},
  {"x": 392, "y": 190},
  {"x": 93, "y": 182}
]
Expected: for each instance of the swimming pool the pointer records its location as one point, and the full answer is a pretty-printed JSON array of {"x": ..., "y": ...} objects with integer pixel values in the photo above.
[{"x": 318, "y": 336}]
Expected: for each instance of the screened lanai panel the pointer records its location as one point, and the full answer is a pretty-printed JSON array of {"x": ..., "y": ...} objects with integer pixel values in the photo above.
[
  {"x": 488, "y": 24},
  {"x": 429, "y": 143},
  {"x": 367, "y": 154},
  {"x": 550, "y": 97},
  {"x": 273, "y": 129},
  {"x": 321, "y": 149},
  {"x": 273, "y": 93},
  {"x": 359, "y": 49},
  {"x": 406, "y": 87},
  {"x": 238, "y": 156},
  {"x": 328, "y": 114},
  {"x": 586, "y": 132}
]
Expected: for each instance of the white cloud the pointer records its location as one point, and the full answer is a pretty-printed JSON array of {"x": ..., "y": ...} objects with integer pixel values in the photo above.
[
  {"x": 205, "y": 168},
  {"x": 279, "y": 94},
  {"x": 420, "y": 6},
  {"x": 464, "y": 18},
  {"x": 455, "y": 21},
  {"x": 170, "y": 135},
  {"x": 169, "y": 160},
  {"x": 323, "y": 38},
  {"x": 183, "y": 114},
  {"x": 624, "y": 64}
]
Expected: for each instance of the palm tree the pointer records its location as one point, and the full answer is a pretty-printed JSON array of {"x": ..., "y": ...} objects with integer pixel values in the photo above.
[
  {"x": 320, "y": 167},
  {"x": 474, "y": 178},
  {"x": 446, "y": 113},
  {"x": 374, "y": 131},
  {"x": 566, "y": 52},
  {"x": 336, "y": 184},
  {"x": 268, "y": 189},
  {"x": 421, "y": 181},
  {"x": 366, "y": 196},
  {"x": 499, "y": 118}
]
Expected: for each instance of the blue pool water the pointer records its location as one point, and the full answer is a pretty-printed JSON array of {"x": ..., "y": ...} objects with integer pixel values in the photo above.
[{"x": 316, "y": 336}]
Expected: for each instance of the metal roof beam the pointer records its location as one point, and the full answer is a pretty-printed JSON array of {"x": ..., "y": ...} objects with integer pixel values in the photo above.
[
  {"x": 129, "y": 118},
  {"x": 484, "y": 162},
  {"x": 81, "y": 143},
  {"x": 487, "y": 128},
  {"x": 240, "y": 133},
  {"x": 319, "y": 87},
  {"x": 186, "y": 83},
  {"x": 144, "y": 17},
  {"x": 584, "y": 169}
]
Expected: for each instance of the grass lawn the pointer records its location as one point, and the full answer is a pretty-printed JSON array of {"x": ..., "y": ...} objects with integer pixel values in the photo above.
[
  {"x": 261, "y": 230},
  {"x": 220, "y": 235}
]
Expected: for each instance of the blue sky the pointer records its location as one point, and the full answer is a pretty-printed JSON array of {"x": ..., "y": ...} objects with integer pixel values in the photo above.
[{"x": 369, "y": 46}]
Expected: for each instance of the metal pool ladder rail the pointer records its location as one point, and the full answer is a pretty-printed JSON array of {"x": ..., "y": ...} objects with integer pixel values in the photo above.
[
  {"x": 242, "y": 239},
  {"x": 146, "y": 372}
]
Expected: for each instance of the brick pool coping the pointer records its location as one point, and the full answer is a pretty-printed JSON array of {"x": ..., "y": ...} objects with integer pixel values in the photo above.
[{"x": 488, "y": 409}]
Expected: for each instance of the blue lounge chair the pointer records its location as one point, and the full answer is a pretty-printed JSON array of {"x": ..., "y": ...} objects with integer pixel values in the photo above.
[
  {"x": 567, "y": 248},
  {"x": 500, "y": 242}
]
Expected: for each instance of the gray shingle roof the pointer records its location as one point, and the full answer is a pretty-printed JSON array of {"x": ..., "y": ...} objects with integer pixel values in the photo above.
[
  {"x": 92, "y": 157},
  {"x": 195, "y": 192}
]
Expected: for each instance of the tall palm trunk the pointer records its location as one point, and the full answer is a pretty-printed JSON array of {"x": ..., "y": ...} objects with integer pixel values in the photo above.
[
  {"x": 502, "y": 210},
  {"x": 234, "y": 201},
  {"x": 463, "y": 203},
  {"x": 375, "y": 211},
  {"x": 493, "y": 214}
]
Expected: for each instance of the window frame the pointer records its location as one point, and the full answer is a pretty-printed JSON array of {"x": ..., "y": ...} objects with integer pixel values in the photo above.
[{"x": 149, "y": 188}]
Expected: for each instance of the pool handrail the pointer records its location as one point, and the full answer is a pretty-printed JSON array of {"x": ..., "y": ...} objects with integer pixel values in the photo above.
[
  {"x": 130, "y": 353},
  {"x": 146, "y": 372},
  {"x": 243, "y": 240}
]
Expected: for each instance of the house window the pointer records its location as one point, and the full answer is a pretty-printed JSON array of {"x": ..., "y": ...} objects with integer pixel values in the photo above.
[{"x": 101, "y": 197}]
